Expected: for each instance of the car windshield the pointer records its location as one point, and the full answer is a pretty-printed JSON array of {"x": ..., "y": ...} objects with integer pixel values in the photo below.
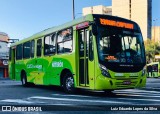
[{"x": 120, "y": 45}]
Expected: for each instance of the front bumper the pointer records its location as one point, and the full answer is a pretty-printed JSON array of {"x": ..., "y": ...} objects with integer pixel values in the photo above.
[{"x": 104, "y": 83}]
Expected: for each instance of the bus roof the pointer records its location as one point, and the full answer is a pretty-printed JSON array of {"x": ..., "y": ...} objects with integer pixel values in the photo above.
[
  {"x": 56, "y": 28},
  {"x": 88, "y": 17}
]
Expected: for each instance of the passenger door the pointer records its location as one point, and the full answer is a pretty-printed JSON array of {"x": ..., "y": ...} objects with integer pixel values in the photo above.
[
  {"x": 86, "y": 62},
  {"x": 39, "y": 63},
  {"x": 12, "y": 63}
]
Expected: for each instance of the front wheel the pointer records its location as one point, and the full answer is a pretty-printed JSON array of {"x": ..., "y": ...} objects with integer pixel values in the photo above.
[
  {"x": 68, "y": 83},
  {"x": 108, "y": 92}
]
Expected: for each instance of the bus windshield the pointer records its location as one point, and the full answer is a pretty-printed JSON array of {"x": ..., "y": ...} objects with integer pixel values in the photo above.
[{"x": 121, "y": 46}]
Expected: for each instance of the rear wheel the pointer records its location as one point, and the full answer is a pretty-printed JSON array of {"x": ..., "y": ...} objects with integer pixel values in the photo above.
[
  {"x": 68, "y": 83},
  {"x": 24, "y": 79}
]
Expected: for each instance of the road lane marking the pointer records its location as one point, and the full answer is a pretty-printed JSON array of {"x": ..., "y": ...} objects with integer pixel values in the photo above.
[
  {"x": 16, "y": 101},
  {"x": 83, "y": 96},
  {"x": 136, "y": 91},
  {"x": 156, "y": 100},
  {"x": 137, "y": 95},
  {"x": 75, "y": 100}
]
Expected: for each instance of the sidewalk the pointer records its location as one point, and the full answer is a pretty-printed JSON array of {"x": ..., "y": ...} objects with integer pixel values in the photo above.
[
  {"x": 8, "y": 81},
  {"x": 2, "y": 78}
]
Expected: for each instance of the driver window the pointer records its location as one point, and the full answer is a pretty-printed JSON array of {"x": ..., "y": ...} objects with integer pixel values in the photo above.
[
  {"x": 105, "y": 45},
  {"x": 115, "y": 45},
  {"x": 133, "y": 44}
]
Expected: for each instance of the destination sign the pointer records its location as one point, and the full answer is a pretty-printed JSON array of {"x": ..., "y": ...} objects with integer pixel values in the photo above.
[
  {"x": 116, "y": 23},
  {"x": 82, "y": 25}
]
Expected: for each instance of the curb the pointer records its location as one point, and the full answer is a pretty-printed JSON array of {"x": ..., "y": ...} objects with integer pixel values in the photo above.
[{"x": 4, "y": 78}]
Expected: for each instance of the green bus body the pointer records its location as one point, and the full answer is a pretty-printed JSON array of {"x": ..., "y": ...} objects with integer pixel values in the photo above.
[
  {"x": 154, "y": 69},
  {"x": 81, "y": 60}
]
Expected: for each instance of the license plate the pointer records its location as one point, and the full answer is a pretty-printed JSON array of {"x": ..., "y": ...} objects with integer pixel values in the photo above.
[{"x": 127, "y": 82}]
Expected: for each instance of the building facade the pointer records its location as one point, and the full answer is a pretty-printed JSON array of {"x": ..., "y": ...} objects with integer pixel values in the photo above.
[
  {"x": 100, "y": 9},
  {"x": 156, "y": 33},
  {"x": 136, "y": 10},
  {"x": 4, "y": 54}
]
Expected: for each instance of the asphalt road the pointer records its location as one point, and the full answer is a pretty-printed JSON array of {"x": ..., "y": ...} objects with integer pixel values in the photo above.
[{"x": 54, "y": 99}]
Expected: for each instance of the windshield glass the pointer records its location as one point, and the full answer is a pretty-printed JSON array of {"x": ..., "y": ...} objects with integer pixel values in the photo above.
[{"x": 120, "y": 45}]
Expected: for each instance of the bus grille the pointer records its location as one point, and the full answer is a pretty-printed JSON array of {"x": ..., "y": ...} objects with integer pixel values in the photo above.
[
  {"x": 124, "y": 77},
  {"x": 122, "y": 85},
  {"x": 135, "y": 77}
]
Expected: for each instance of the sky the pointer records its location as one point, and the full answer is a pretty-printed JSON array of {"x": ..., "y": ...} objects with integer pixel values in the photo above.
[{"x": 23, "y": 18}]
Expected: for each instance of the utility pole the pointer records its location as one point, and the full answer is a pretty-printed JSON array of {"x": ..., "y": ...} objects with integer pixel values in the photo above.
[{"x": 73, "y": 10}]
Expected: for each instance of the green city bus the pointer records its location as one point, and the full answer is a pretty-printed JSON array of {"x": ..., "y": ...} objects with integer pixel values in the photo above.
[
  {"x": 95, "y": 52},
  {"x": 153, "y": 69}
]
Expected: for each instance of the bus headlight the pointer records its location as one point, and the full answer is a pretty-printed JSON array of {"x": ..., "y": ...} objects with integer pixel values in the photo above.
[{"x": 104, "y": 71}]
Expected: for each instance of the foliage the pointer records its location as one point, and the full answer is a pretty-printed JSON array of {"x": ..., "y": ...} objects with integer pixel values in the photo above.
[{"x": 151, "y": 48}]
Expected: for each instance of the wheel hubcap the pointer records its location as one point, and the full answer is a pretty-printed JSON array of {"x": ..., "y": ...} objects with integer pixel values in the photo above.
[
  {"x": 69, "y": 83},
  {"x": 23, "y": 80}
]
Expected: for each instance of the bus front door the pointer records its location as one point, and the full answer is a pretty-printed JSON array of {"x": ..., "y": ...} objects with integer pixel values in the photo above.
[
  {"x": 85, "y": 65},
  {"x": 12, "y": 69}
]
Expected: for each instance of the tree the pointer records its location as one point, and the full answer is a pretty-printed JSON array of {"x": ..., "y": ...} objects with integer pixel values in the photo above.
[{"x": 151, "y": 48}]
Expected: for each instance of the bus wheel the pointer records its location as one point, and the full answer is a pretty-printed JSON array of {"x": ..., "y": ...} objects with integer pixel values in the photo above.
[
  {"x": 24, "y": 80},
  {"x": 108, "y": 92},
  {"x": 68, "y": 83}
]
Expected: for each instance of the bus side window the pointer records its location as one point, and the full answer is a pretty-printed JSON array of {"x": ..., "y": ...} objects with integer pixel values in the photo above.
[
  {"x": 32, "y": 48},
  {"x": 49, "y": 46},
  {"x": 64, "y": 41},
  {"x": 26, "y": 49},
  {"x": 53, "y": 43},
  {"x": 39, "y": 47},
  {"x": 91, "y": 46},
  {"x": 19, "y": 52}
]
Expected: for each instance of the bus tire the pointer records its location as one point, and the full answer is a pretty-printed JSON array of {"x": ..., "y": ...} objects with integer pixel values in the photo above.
[
  {"x": 108, "y": 92},
  {"x": 24, "y": 79},
  {"x": 68, "y": 83}
]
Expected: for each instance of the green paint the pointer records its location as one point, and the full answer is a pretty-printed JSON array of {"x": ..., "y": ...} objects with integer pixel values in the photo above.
[{"x": 46, "y": 70}]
